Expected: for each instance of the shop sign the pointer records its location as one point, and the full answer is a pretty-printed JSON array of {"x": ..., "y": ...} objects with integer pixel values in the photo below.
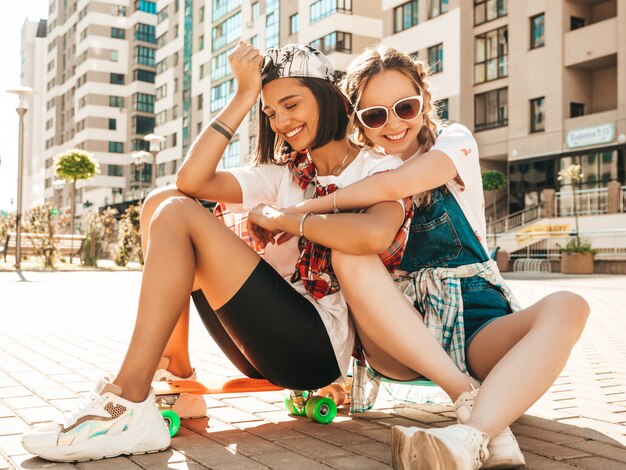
[{"x": 594, "y": 135}]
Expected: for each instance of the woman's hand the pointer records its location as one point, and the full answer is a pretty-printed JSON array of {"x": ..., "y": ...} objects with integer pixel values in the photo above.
[
  {"x": 263, "y": 224},
  {"x": 246, "y": 62}
]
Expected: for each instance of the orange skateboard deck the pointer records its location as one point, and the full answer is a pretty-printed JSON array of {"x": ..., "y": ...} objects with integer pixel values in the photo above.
[{"x": 211, "y": 387}]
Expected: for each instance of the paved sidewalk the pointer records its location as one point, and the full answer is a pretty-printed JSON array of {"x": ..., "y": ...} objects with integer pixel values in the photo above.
[{"x": 62, "y": 331}]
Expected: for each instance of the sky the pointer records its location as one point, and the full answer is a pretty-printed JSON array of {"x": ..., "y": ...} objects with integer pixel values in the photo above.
[{"x": 11, "y": 22}]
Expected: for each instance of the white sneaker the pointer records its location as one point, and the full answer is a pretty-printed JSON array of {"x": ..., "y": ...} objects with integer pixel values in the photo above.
[
  {"x": 504, "y": 451},
  {"x": 456, "y": 447},
  {"x": 162, "y": 374},
  {"x": 105, "y": 425}
]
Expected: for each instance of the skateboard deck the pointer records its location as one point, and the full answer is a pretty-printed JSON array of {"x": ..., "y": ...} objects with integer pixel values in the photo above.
[{"x": 213, "y": 386}]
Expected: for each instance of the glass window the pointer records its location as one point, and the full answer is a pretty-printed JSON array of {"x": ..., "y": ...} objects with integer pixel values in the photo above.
[
  {"x": 537, "y": 36},
  {"x": 293, "y": 24},
  {"x": 201, "y": 14},
  {"x": 232, "y": 155},
  {"x": 116, "y": 147},
  {"x": 226, "y": 32},
  {"x": 145, "y": 32},
  {"x": 537, "y": 115},
  {"x": 575, "y": 22},
  {"x": 323, "y": 8},
  {"x": 487, "y": 10},
  {"x": 112, "y": 124},
  {"x": 272, "y": 23},
  {"x": 336, "y": 41},
  {"x": 162, "y": 15},
  {"x": 118, "y": 33},
  {"x": 435, "y": 58},
  {"x": 144, "y": 56},
  {"x": 143, "y": 102},
  {"x": 442, "y": 109},
  {"x": 143, "y": 124},
  {"x": 116, "y": 101},
  {"x": 491, "y": 109},
  {"x": 491, "y": 51},
  {"x": 405, "y": 16},
  {"x": 116, "y": 78},
  {"x": 145, "y": 5},
  {"x": 219, "y": 65},
  {"x": 221, "y": 8},
  {"x": 221, "y": 93},
  {"x": 144, "y": 75},
  {"x": 437, "y": 7},
  {"x": 255, "y": 10},
  {"x": 576, "y": 109},
  {"x": 113, "y": 55},
  {"x": 115, "y": 170}
]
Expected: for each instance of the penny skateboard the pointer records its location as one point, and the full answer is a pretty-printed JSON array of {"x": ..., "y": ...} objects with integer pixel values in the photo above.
[{"x": 320, "y": 406}]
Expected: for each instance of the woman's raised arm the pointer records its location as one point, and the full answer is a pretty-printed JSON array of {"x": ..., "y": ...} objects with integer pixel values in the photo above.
[
  {"x": 198, "y": 176},
  {"x": 418, "y": 174}
]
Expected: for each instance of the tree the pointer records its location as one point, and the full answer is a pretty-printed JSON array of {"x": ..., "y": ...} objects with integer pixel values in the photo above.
[
  {"x": 573, "y": 175},
  {"x": 129, "y": 237},
  {"x": 74, "y": 165},
  {"x": 493, "y": 181}
]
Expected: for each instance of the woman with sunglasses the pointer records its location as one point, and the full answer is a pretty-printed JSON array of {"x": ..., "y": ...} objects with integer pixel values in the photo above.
[{"x": 448, "y": 276}]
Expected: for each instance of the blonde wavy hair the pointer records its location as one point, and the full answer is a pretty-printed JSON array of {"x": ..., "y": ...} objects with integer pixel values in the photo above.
[{"x": 374, "y": 60}]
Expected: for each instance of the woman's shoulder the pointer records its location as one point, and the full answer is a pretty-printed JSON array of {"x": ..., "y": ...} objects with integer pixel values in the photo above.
[
  {"x": 452, "y": 130},
  {"x": 374, "y": 162}
]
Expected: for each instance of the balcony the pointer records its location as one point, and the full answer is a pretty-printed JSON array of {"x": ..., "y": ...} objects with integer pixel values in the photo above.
[{"x": 592, "y": 47}]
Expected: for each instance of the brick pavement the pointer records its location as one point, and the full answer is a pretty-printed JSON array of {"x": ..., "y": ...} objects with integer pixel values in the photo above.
[{"x": 61, "y": 331}]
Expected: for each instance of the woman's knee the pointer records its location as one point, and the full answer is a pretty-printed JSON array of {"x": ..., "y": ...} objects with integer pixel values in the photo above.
[
  {"x": 172, "y": 212},
  {"x": 570, "y": 310},
  {"x": 154, "y": 199},
  {"x": 344, "y": 263}
]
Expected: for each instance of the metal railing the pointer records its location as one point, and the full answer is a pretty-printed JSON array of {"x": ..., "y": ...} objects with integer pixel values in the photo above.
[
  {"x": 588, "y": 202},
  {"x": 609, "y": 244},
  {"x": 515, "y": 220}
]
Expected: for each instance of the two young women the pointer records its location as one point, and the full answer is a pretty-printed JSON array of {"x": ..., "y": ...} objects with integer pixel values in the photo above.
[{"x": 282, "y": 316}]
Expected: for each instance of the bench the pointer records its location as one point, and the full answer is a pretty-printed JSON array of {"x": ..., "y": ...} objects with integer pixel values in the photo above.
[{"x": 34, "y": 243}]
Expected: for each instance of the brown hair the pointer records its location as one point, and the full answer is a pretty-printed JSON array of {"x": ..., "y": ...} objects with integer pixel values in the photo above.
[
  {"x": 376, "y": 59},
  {"x": 332, "y": 123}
]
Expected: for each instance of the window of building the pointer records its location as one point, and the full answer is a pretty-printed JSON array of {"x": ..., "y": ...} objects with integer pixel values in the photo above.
[
  {"x": 405, "y": 16},
  {"x": 112, "y": 124},
  {"x": 162, "y": 15},
  {"x": 162, "y": 40},
  {"x": 442, "y": 109},
  {"x": 143, "y": 124},
  {"x": 293, "y": 24},
  {"x": 116, "y": 147},
  {"x": 575, "y": 22},
  {"x": 201, "y": 71},
  {"x": 116, "y": 79},
  {"x": 437, "y": 7},
  {"x": 115, "y": 170},
  {"x": 487, "y": 10},
  {"x": 201, "y": 42},
  {"x": 144, "y": 55},
  {"x": 491, "y": 51},
  {"x": 143, "y": 102},
  {"x": 118, "y": 10},
  {"x": 145, "y": 33},
  {"x": 140, "y": 144},
  {"x": 537, "y": 34},
  {"x": 491, "y": 109},
  {"x": 144, "y": 75},
  {"x": 175, "y": 112},
  {"x": 219, "y": 65},
  {"x": 576, "y": 110},
  {"x": 221, "y": 8},
  {"x": 336, "y": 41},
  {"x": 118, "y": 33},
  {"x": 161, "y": 66},
  {"x": 174, "y": 138},
  {"x": 145, "y": 5},
  {"x": 255, "y": 10},
  {"x": 272, "y": 23},
  {"x": 113, "y": 55},
  {"x": 435, "y": 58},
  {"x": 232, "y": 155},
  {"x": 116, "y": 101},
  {"x": 221, "y": 93},
  {"x": 161, "y": 118},
  {"x": 226, "y": 32},
  {"x": 323, "y": 8},
  {"x": 537, "y": 115},
  {"x": 201, "y": 14},
  {"x": 200, "y": 101}
]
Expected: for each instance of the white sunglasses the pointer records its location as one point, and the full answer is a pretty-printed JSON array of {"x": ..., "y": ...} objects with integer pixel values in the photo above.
[{"x": 406, "y": 109}]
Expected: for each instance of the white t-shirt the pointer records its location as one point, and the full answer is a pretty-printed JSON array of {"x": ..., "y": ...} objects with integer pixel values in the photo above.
[
  {"x": 274, "y": 185},
  {"x": 459, "y": 144}
]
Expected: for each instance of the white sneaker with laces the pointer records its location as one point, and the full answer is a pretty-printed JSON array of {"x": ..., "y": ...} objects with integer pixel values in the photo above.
[
  {"x": 187, "y": 405},
  {"x": 504, "y": 451},
  {"x": 162, "y": 374},
  {"x": 105, "y": 425},
  {"x": 456, "y": 447}
]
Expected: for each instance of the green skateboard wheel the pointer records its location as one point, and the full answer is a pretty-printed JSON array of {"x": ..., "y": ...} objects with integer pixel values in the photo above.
[
  {"x": 321, "y": 409},
  {"x": 291, "y": 407},
  {"x": 172, "y": 421}
]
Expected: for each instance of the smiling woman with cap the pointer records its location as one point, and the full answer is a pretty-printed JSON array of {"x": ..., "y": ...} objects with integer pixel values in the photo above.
[{"x": 280, "y": 316}]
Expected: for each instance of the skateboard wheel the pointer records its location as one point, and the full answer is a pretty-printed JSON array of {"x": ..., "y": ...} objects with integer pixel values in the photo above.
[
  {"x": 291, "y": 407},
  {"x": 335, "y": 392},
  {"x": 172, "y": 421},
  {"x": 321, "y": 409}
]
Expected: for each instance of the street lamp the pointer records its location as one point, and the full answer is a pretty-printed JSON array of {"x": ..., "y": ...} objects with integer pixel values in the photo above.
[
  {"x": 155, "y": 147},
  {"x": 140, "y": 160},
  {"x": 22, "y": 92}
]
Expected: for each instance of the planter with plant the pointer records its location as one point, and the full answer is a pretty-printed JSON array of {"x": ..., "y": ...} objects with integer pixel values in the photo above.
[{"x": 494, "y": 181}]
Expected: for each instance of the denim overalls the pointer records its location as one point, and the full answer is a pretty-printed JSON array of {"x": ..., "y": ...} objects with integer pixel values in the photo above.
[{"x": 441, "y": 236}]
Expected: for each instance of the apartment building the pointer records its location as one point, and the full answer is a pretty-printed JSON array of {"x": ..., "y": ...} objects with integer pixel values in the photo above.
[
  {"x": 32, "y": 74},
  {"x": 100, "y": 72}
]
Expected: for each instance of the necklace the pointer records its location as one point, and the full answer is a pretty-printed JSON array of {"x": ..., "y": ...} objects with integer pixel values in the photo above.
[{"x": 343, "y": 162}]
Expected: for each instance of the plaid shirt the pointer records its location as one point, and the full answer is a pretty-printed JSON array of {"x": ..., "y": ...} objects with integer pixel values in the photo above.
[
  {"x": 314, "y": 263},
  {"x": 437, "y": 292}
]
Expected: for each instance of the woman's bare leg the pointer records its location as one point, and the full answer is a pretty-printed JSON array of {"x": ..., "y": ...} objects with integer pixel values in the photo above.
[
  {"x": 387, "y": 322},
  {"x": 177, "y": 348},
  {"x": 521, "y": 355},
  {"x": 185, "y": 239}
]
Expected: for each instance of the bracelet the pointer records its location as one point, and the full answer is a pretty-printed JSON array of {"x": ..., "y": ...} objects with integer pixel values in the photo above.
[
  {"x": 302, "y": 223},
  {"x": 221, "y": 130},
  {"x": 335, "y": 210},
  {"x": 232, "y": 131}
]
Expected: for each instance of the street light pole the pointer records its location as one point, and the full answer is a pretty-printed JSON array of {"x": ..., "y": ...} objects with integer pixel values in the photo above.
[{"x": 22, "y": 92}]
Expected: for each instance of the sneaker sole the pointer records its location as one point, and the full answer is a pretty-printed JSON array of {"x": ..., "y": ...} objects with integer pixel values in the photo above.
[
  {"x": 401, "y": 448},
  {"x": 432, "y": 453},
  {"x": 502, "y": 462}
]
